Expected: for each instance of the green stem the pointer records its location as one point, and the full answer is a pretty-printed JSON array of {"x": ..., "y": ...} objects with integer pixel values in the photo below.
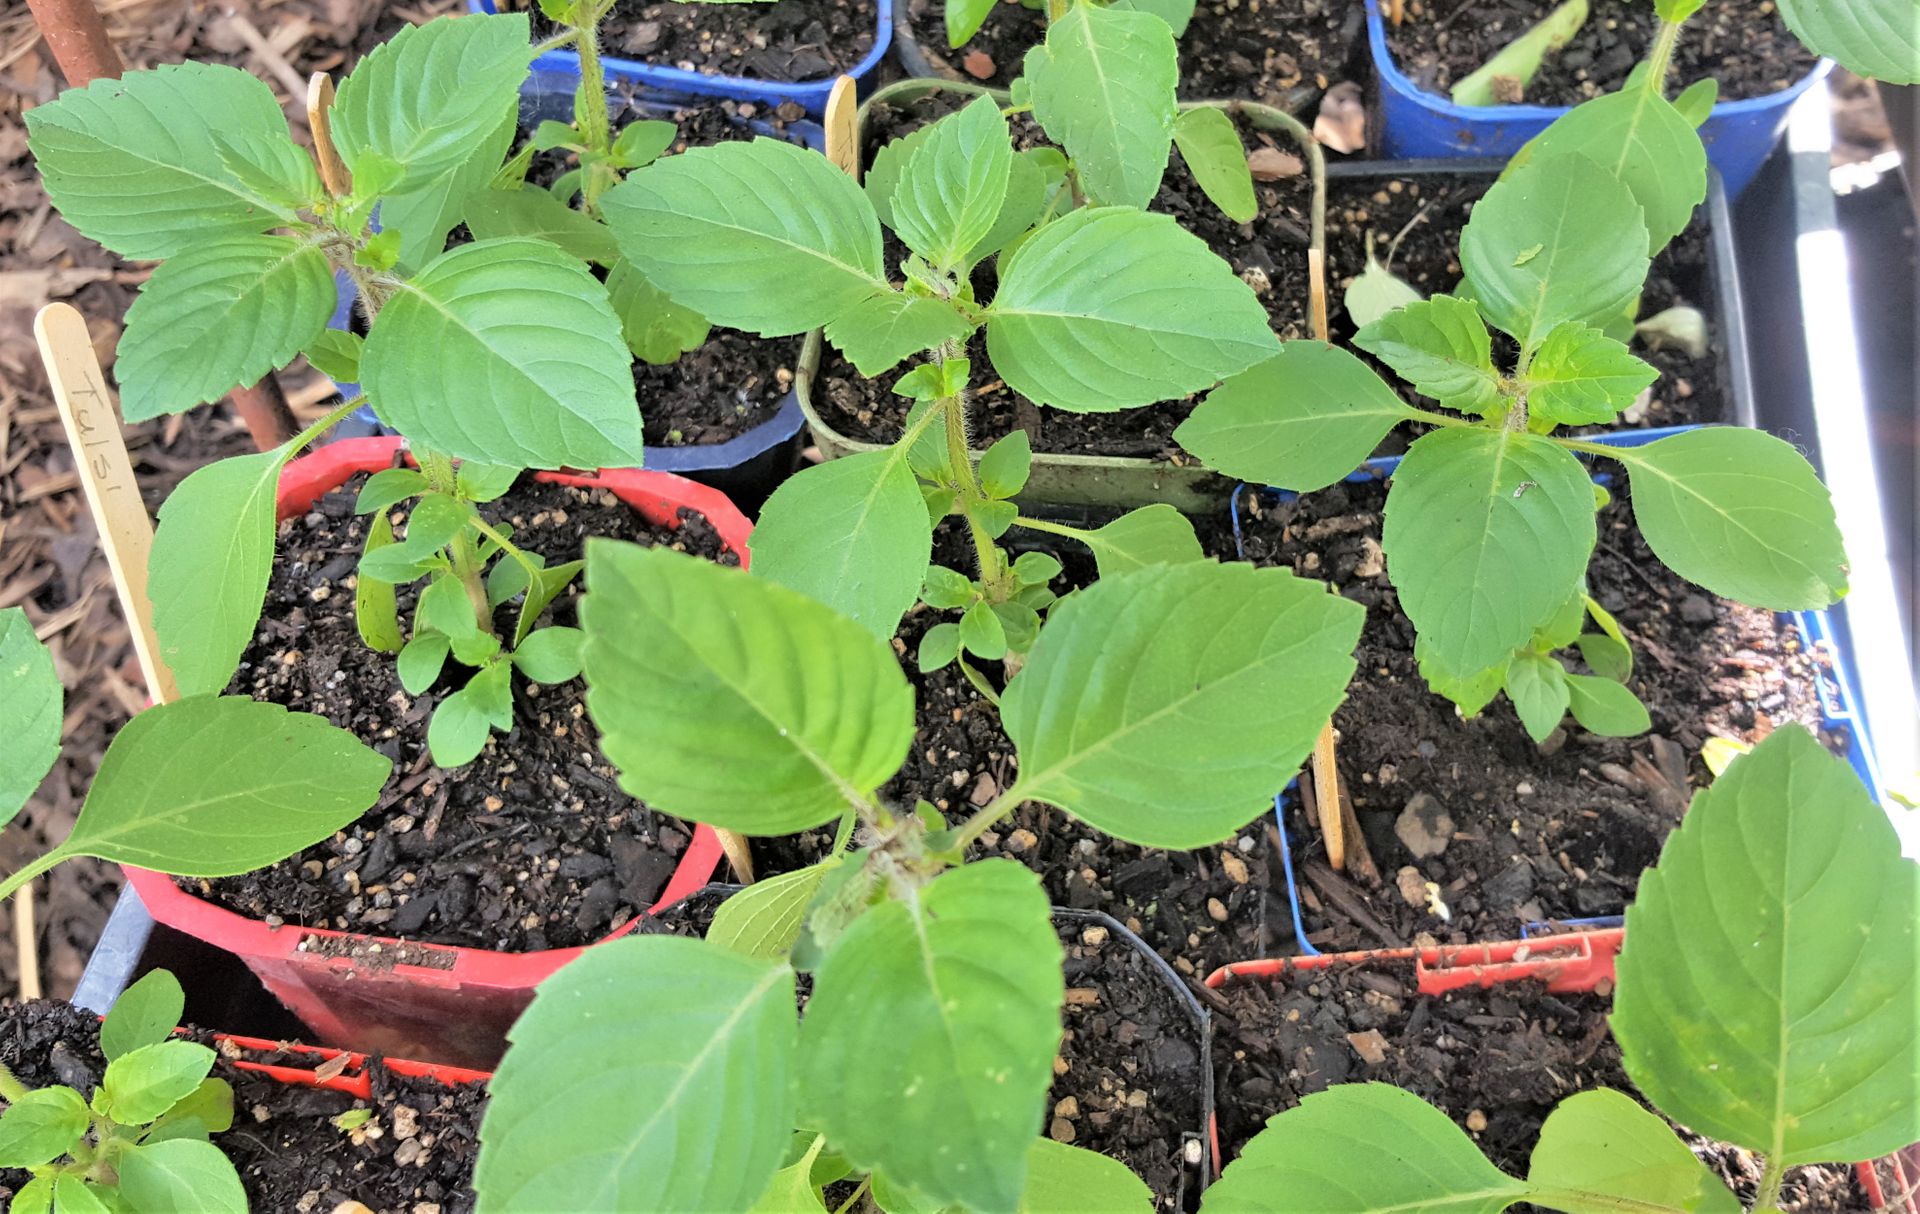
[
  {"x": 1623, "y": 455},
  {"x": 979, "y": 680},
  {"x": 1660, "y": 59},
  {"x": 960, "y": 470},
  {"x": 855, "y": 1196},
  {"x": 590, "y": 111},
  {"x": 467, "y": 566},
  {"x": 487, "y": 529},
  {"x": 33, "y": 869},
  {"x": 1766, "y": 1199},
  {"x": 996, "y": 809},
  {"x": 844, "y": 835},
  {"x": 11, "y": 1089}
]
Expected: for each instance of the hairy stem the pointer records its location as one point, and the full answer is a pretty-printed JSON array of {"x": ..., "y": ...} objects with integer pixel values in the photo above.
[
  {"x": 1766, "y": 1199},
  {"x": 966, "y": 483},
  {"x": 590, "y": 110},
  {"x": 844, "y": 835},
  {"x": 32, "y": 869},
  {"x": 1660, "y": 59}
]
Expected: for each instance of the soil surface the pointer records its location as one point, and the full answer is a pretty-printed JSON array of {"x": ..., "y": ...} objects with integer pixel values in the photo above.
[
  {"x": 1128, "y": 1081},
  {"x": 734, "y": 381},
  {"x": 1748, "y": 49},
  {"x": 789, "y": 41},
  {"x": 1689, "y": 391},
  {"x": 1199, "y": 909},
  {"x": 1500, "y": 1059},
  {"x": 1269, "y": 253},
  {"x": 1530, "y": 832},
  {"x": 1284, "y": 54},
  {"x": 530, "y": 846},
  {"x": 417, "y": 1151}
]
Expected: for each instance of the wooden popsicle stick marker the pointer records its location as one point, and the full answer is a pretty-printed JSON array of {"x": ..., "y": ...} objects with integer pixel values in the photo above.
[
  {"x": 1326, "y": 771},
  {"x": 843, "y": 127},
  {"x": 333, "y": 170},
  {"x": 88, "y": 411}
]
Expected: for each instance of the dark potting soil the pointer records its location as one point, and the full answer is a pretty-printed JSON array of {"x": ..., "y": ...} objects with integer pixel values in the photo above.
[
  {"x": 532, "y": 845},
  {"x": 734, "y": 381},
  {"x": 417, "y": 1151},
  {"x": 1689, "y": 390},
  {"x": 1532, "y": 832},
  {"x": 789, "y": 41},
  {"x": 1269, "y": 253},
  {"x": 1128, "y": 1080},
  {"x": 1496, "y": 1061},
  {"x": 1199, "y": 909},
  {"x": 1746, "y": 47},
  {"x": 1284, "y": 54}
]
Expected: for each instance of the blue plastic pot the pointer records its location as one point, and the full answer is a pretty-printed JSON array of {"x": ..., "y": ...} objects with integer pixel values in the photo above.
[
  {"x": 674, "y": 81},
  {"x": 1415, "y": 123},
  {"x": 1839, "y": 702}
]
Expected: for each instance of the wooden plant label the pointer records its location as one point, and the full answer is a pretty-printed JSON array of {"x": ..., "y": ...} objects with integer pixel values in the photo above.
[{"x": 843, "y": 127}]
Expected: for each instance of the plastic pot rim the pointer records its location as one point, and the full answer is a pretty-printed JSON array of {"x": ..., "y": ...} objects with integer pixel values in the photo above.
[
  {"x": 811, "y": 94},
  {"x": 656, "y": 495},
  {"x": 355, "y": 1080}
]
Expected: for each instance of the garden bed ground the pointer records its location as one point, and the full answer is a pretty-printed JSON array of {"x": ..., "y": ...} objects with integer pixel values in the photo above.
[
  {"x": 1269, "y": 253},
  {"x": 734, "y": 381},
  {"x": 530, "y": 846},
  {"x": 1497, "y": 1059},
  {"x": 1531, "y": 832},
  {"x": 1748, "y": 49},
  {"x": 1284, "y": 54},
  {"x": 1690, "y": 390},
  {"x": 788, "y": 41},
  {"x": 416, "y": 1151}
]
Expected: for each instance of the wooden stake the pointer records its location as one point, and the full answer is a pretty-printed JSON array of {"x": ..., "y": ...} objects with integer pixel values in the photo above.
[
  {"x": 1326, "y": 771},
  {"x": 843, "y": 127},
  {"x": 333, "y": 170},
  {"x": 106, "y": 473},
  {"x": 26, "y": 942}
]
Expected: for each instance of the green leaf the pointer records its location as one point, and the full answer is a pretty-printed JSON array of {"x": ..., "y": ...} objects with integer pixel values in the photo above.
[
  {"x": 1470, "y": 692},
  {"x": 458, "y": 731},
  {"x": 538, "y": 215},
  {"x": 1103, "y": 87},
  {"x": 207, "y": 572},
  {"x": 550, "y": 655},
  {"x": 219, "y": 315},
  {"x": 335, "y": 353},
  {"x": 810, "y": 712},
  {"x": 1377, "y": 292},
  {"x": 1676, "y": 11},
  {"x": 425, "y": 96},
  {"x": 1610, "y": 659},
  {"x": 764, "y": 919},
  {"x": 1005, "y": 466},
  {"x": 375, "y": 611},
  {"x": 1151, "y": 535},
  {"x": 851, "y": 533},
  {"x": 928, "y": 1045},
  {"x": 1362, "y": 1147},
  {"x": 272, "y": 166},
  {"x": 982, "y": 634},
  {"x": 1301, "y": 421},
  {"x": 881, "y": 330},
  {"x": 144, "y": 1083},
  {"x": 212, "y": 786},
  {"x": 1037, "y": 568},
  {"x": 478, "y": 482},
  {"x": 641, "y": 143},
  {"x": 713, "y": 226},
  {"x": 35, "y": 1197},
  {"x": 1441, "y": 347},
  {"x": 73, "y": 1194},
  {"x": 507, "y": 352},
  {"x": 1029, "y": 185},
  {"x": 1741, "y": 513},
  {"x": 1111, "y": 308},
  {"x": 1638, "y": 137},
  {"x": 420, "y": 662},
  {"x": 1876, "y": 38},
  {"x": 31, "y": 711},
  {"x": 1537, "y": 685},
  {"x": 1788, "y": 1027},
  {"x": 793, "y": 1190},
  {"x": 41, "y": 1126},
  {"x": 180, "y": 1176},
  {"x": 1176, "y": 13},
  {"x": 1063, "y": 1179},
  {"x": 656, "y": 329},
  {"x": 207, "y": 1110},
  {"x": 144, "y": 1014},
  {"x": 444, "y": 607},
  {"x": 1211, "y": 146},
  {"x": 889, "y": 166},
  {"x": 964, "y": 18},
  {"x": 1696, "y": 101},
  {"x": 1521, "y": 58},
  {"x": 1487, "y": 533},
  {"x": 1581, "y": 376},
  {"x": 543, "y": 587},
  {"x": 1164, "y": 755},
  {"x": 946, "y": 588},
  {"x": 424, "y": 216},
  {"x": 1605, "y": 706},
  {"x": 588, "y": 1113},
  {"x": 1590, "y": 228},
  {"x": 938, "y": 647},
  {"x": 1605, "y": 1144},
  {"x": 135, "y": 163},
  {"x": 389, "y": 487},
  {"x": 952, "y": 187}
]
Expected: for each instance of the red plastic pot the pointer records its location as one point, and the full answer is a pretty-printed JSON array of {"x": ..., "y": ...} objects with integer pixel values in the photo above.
[
  {"x": 352, "y": 1079},
  {"x": 1567, "y": 964},
  {"x": 397, "y": 997}
]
